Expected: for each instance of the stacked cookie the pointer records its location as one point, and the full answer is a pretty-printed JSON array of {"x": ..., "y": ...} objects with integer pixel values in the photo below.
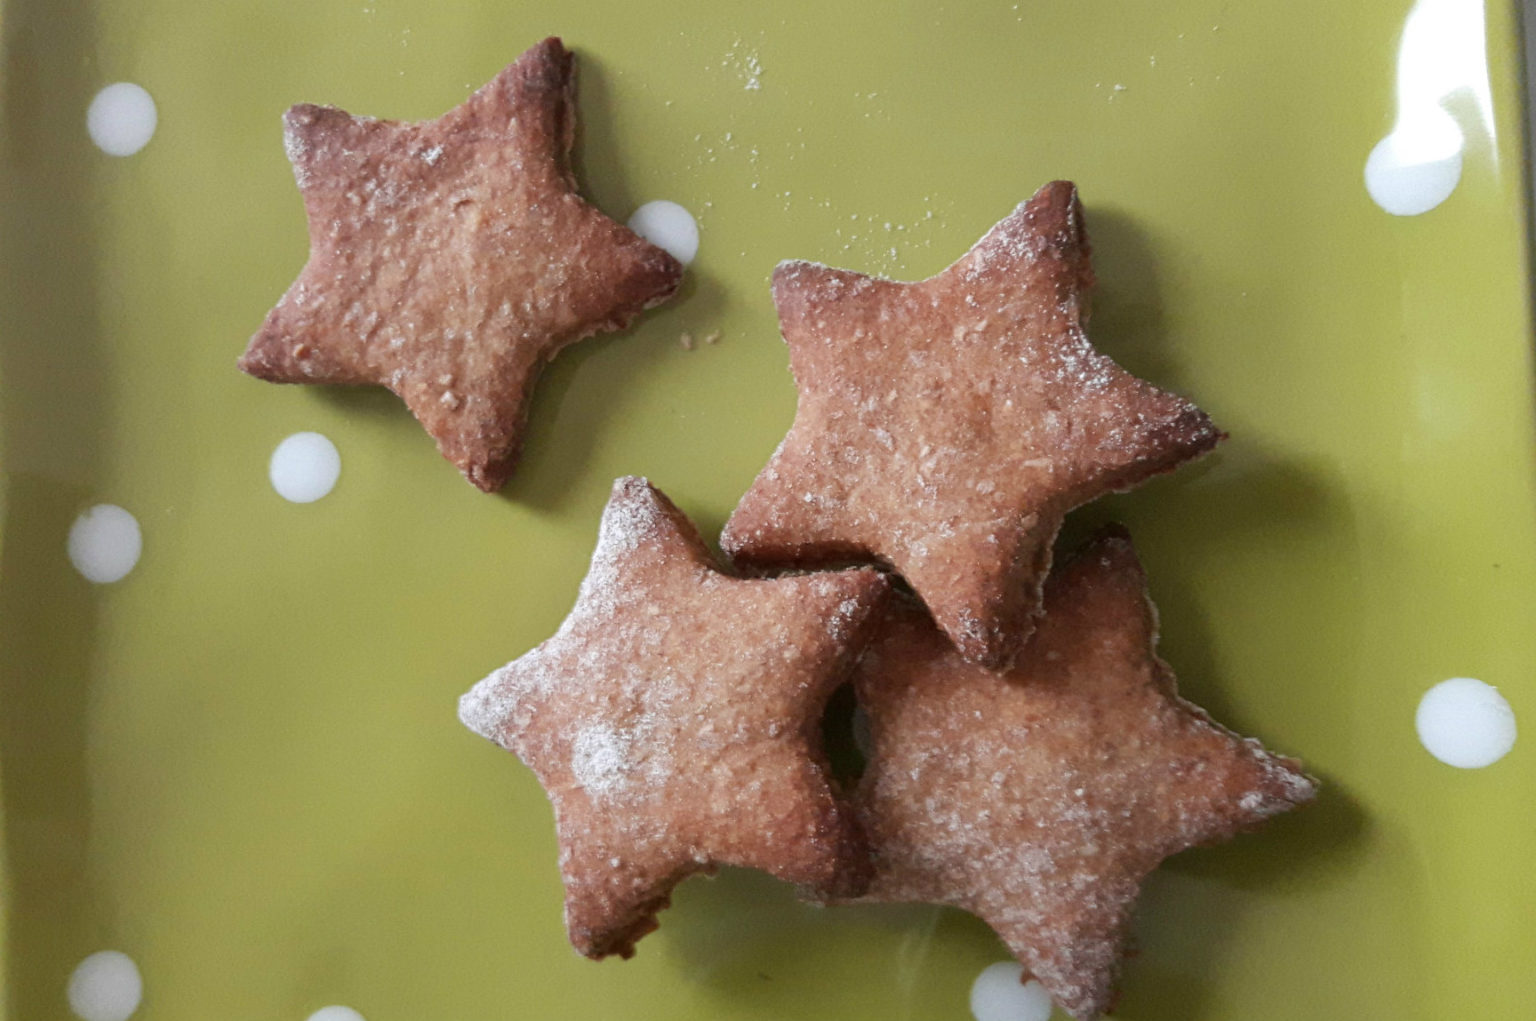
[{"x": 1029, "y": 761}]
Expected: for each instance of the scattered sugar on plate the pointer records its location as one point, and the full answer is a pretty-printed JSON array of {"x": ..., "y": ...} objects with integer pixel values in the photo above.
[
  {"x": 1466, "y": 723},
  {"x": 998, "y": 994},
  {"x": 746, "y": 63},
  {"x": 106, "y": 986}
]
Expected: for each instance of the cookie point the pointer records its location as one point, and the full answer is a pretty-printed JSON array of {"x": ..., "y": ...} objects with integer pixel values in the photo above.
[
  {"x": 1284, "y": 787},
  {"x": 731, "y": 540},
  {"x": 631, "y": 486},
  {"x": 484, "y": 478},
  {"x": 547, "y": 57},
  {"x": 1296, "y": 787},
  {"x": 788, "y": 269},
  {"x": 635, "y": 511},
  {"x": 264, "y": 353},
  {"x": 299, "y": 123},
  {"x": 1202, "y": 433},
  {"x": 477, "y": 706},
  {"x": 300, "y": 116},
  {"x": 552, "y": 44},
  {"x": 1055, "y": 193}
]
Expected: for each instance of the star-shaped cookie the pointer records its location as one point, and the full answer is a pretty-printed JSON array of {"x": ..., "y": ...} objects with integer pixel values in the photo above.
[
  {"x": 946, "y": 426},
  {"x": 675, "y": 721},
  {"x": 1040, "y": 798},
  {"x": 451, "y": 259}
]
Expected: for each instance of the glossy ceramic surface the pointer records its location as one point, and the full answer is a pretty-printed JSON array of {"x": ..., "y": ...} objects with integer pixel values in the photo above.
[{"x": 241, "y": 764}]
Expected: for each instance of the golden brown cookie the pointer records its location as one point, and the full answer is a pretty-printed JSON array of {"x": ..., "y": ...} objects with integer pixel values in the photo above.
[
  {"x": 675, "y": 721},
  {"x": 1040, "y": 798},
  {"x": 451, "y": 259},
  {"x": 946, "y": 426}
]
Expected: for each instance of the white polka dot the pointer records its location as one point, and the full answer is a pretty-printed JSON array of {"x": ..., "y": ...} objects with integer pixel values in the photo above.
[
  {"x": 1465, "y": 723},
  {"x": 999, "y": 995},
  {"x": 668, "y": 225},
  {"x": 105, "y": 987},
  {"x": 121, "y": 119},
  {"x": 336, "y": 1014},
  {"x": 1405, "y": 183},
  {"x": 105, "y": 543},
  {"x": 304, "y": 467}
]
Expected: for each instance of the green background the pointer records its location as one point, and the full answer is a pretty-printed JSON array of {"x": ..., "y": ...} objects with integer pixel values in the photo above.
[{"x": 241, "y": 765}]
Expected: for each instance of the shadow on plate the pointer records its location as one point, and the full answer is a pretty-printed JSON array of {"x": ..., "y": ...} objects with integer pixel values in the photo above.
[
  {"x": 586, "y": 395},
  {"x": 1126, "y": 319},
  {"x": 54, "y": 363},
  {"x": 742, "y": 927},
  {"x": 583, "y": 394}
]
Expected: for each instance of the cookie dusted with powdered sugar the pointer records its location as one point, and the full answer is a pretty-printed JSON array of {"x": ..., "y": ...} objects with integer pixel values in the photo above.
[
  {"x": 1039, "y": 799},
  {"x": 945, "y": 427},
  {"x": 450, "y": 259},
  {"x": 675, "y": 721}
]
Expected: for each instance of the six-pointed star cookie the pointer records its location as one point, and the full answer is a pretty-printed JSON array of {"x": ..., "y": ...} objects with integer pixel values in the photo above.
[
  {"x": 674, "y": 720},
  {"x": 451, "y": 259},
  {"x": 1039, "y": 799},
  {"x": 946, "y": 426}
]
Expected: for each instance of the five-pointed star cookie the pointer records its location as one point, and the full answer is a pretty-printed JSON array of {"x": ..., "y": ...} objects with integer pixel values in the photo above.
[
  {"x": 675, "y": 721},
  {"x": 451, "y": 259},
  {"x": 946, "y": 426},
  {"x": 1040, "y": 798}
]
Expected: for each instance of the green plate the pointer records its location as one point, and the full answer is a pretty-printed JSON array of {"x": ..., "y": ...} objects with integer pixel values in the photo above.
[{"x": 241, "y": 764}]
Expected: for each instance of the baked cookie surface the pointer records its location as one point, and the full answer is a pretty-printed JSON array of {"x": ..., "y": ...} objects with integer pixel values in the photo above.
[
  {"x": 451, "y": 259},
  {"x": 1040, "y": 799},
  {"x": 945, "y": 427},
  {"x": 675, "y": 721}
]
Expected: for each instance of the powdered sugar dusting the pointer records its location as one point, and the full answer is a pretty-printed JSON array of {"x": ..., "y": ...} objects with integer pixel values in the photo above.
[
  {"x": 1041, "y": 799},
  {"x": 1011, "y": 242},
  {"x": 671, "y": 684},
  {"x": 630, "y": 519},
  {"x": 296, "y": 147},
  {"x": 946, "y": 426},
  {"x": 484, "y": 706},
  {"x": 841, "y": 619},
  {"x": 600, "y": 758}
]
